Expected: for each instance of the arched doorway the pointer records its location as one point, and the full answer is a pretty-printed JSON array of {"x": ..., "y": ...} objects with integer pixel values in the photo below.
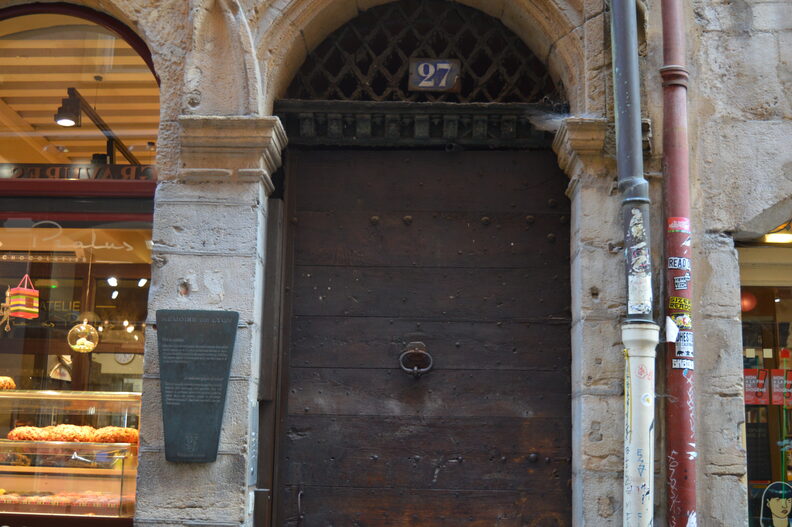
[{"x": 432, "y": 220}]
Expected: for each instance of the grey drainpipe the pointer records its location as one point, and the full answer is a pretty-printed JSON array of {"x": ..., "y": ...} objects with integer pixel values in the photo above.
[{"x": 639, "y": 332}]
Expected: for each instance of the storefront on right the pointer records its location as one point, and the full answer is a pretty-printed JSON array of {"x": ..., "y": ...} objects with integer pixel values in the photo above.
[{"x": 766, "y": 305}]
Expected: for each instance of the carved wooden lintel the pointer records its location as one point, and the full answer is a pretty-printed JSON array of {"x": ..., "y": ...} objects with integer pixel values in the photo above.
[{"x": 409, "y": 124}]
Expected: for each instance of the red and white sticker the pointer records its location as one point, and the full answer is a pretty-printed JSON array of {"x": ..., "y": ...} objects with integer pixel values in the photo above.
[{"x": 679, "y": 224}]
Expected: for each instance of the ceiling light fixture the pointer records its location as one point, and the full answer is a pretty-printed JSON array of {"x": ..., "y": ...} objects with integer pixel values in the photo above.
[{"x": 69, "y": 115}]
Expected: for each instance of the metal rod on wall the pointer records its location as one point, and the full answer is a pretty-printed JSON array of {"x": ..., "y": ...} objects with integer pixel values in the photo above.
[
  {"x": 639, "y": 332},
  {"x": 680, "y": 407}
]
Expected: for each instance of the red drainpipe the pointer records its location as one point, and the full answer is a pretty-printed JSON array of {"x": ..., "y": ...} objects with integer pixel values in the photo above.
[{"x": 680, "y": 410}]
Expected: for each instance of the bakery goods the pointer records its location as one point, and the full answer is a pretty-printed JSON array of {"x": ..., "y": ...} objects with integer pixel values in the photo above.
[
  {"x": 71, "y": 433},
  {"x": 115, "y": 434},
  {"x": 75, "y": 434},
  {"x": 7, "y": 383},
  {"x": 28, "y": 433}
]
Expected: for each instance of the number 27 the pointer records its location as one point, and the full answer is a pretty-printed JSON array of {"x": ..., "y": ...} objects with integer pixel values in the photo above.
[{"x": 427, "y": 71}]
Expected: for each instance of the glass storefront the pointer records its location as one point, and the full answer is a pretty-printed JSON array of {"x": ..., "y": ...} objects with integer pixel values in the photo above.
[
  {"x": 766, "y": 305},
  {"x": 79, "y": 114}
]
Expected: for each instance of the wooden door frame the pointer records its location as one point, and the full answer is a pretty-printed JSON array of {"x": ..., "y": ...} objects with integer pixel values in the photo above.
[{"x": 301, "y": 120}]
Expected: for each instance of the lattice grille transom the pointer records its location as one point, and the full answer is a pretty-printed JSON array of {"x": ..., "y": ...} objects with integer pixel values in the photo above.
[{"x": 367, "y": 59}]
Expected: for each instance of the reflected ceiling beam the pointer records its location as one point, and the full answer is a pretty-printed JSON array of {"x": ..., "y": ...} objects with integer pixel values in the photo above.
[
  {"x": 11, "y": 120},
  {"x": 112, "y": 139}
]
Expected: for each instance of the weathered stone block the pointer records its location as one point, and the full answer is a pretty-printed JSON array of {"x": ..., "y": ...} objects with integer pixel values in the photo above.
[
  {"x": 206, "y": 282},
  {"x": 597, "y": 498},
  {"x": 598, "y": 443},
  {"x": 598, "y": 286},
  {"x": 239, "y": 194},
  {"x": 724, "y": 502},
  {"x": 719, "y": 356},
  {"x": 748, "y": 158},
  {"x": 717, "y": 271},
  {"x": 598, "y": 365},
  {"x": 220, "y": 228},
  {"x": 739, "y": 78},
  {"x": 720, "y": 444},
  {"x": 595, "y": 212},
  {"x": 216, "y": 491},
  {"x": 772, "y": 16}
]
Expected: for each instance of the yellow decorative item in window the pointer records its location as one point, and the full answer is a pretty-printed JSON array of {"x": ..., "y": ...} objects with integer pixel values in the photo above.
[
  {"x": 83, "y": 338},
  {"x": 23, "y": 300}
]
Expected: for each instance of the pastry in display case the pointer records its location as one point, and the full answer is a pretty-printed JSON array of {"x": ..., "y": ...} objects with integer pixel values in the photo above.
[{"x": 68, "y": 452}]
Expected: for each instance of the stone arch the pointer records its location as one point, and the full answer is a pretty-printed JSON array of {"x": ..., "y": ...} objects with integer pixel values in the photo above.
[
  {"x": 551, "y": 29},
  {"x": 768, "y": 219},
  {"x": 221, "y": 37}
]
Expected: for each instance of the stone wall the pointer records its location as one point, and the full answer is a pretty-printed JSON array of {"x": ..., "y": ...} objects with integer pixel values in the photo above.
[
  {"x": 741, "y": 124},
  {"x": 223, "y": 62}
]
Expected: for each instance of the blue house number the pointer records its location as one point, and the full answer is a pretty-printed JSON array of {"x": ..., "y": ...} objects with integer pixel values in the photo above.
[{"x": 434, "y": 75}]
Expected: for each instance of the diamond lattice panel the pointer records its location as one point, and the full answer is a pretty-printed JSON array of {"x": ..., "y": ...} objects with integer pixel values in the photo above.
[{"x": 367, "y": 59}]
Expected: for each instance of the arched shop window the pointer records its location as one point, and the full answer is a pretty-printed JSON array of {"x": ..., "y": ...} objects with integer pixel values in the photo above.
[
  {"x": 79, "y": 113},
  {"x": 766, "y": 305}
]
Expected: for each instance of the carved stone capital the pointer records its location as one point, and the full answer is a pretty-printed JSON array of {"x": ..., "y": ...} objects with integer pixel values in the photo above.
[
  {"x": 579, "y": 142},
  {"x": 230, "y": 148}
]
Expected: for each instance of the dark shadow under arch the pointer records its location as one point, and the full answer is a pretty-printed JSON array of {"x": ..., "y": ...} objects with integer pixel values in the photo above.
[{"x": 366, "y": 59}]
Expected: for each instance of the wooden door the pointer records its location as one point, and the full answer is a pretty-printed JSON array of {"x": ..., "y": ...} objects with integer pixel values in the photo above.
[{"x": 467, "y": 252}]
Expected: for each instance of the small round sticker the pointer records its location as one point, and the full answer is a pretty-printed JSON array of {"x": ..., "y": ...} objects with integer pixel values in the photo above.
[{"x": 646, "y": 399}]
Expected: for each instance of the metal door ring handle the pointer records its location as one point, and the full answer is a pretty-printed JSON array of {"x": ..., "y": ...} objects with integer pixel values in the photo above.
[{"x": 415, "y": 360}]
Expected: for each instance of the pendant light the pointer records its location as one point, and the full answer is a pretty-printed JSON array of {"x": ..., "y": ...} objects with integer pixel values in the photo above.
[{"x": 83, "y": 338}]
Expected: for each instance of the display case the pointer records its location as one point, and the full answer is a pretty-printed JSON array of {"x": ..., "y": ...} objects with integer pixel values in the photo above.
[{"x": 68, "y": 453}]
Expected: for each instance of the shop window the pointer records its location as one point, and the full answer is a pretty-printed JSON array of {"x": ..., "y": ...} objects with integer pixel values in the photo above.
[
  {"x": 79, "y": 112},
  {"x": 766, "y": 305}
]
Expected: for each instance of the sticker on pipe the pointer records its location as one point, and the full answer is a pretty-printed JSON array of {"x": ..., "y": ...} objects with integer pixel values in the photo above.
[
  {"x": 646, "y": 399},
  {"x": 682, "y": 320},
  {"x": 682, "y": 364},
  {"x": 679, "y": 303},
  {"x": 684, "y": 344},
  {"x": 679, "y": 262},
  {"x": 681, "y": 282},
  {"x": 679, "y": 224},
  {"x": 639, "y": 294}
]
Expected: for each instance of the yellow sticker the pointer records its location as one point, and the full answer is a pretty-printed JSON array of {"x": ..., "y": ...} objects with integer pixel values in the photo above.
[{"x": 680, "y": 303}]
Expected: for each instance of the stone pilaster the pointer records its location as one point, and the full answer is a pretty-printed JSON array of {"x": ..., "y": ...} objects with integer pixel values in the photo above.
[
  {"x": 597, "y": 304},
  {"x": 208, "y": 253}
]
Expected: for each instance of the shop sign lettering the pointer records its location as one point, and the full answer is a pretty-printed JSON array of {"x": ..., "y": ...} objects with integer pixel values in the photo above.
[{"x": 81, "y": 172}]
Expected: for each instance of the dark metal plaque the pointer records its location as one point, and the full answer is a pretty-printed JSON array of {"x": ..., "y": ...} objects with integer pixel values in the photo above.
[
  {"x": 440, "y": 75},
  {"x": 195, "y": 349}
]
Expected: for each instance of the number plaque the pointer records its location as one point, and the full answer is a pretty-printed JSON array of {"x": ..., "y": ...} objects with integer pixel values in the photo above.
[{"x": 434, "y": 75}]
